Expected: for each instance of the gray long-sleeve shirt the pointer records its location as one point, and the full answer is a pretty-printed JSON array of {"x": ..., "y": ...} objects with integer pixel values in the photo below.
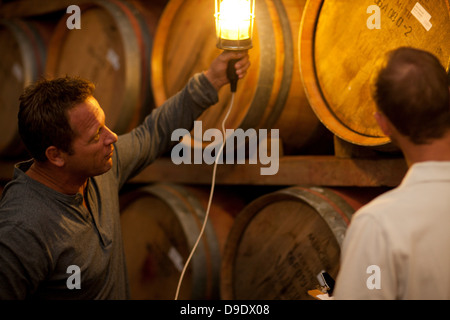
[{"x": 46, "y": 235}]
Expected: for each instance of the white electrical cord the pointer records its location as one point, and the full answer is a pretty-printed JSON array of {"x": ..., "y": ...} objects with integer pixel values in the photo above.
[{"x": 210, "y": 197}]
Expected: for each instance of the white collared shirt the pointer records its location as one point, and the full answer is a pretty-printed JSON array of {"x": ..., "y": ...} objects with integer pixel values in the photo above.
[{"x": 398, "y": 245}]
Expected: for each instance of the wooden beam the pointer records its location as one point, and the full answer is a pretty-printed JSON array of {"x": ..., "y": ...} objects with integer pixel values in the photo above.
[{"x": 293, "y": 170}]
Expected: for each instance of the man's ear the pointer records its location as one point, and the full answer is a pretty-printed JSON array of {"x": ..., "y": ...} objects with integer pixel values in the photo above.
[
  {"x": 55, "y": 156},
  {"x": 383, "y": 123}
]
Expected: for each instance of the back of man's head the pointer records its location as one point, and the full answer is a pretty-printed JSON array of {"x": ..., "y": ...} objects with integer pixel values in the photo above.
[{"x": 412, "y": 90}]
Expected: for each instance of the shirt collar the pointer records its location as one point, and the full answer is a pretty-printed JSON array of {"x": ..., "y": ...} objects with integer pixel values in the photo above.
[
  {"x": 19, "y": 173},
  {"x": 428, "y": 171}
]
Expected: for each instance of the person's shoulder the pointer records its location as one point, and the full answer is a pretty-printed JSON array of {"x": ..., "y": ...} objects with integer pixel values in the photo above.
[
  {"x": 382, "y": 207},
  {"x": 21, "y": 203}
]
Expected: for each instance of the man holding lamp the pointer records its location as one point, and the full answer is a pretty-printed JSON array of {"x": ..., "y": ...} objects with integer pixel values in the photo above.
[{"x": 61, "y": 209}]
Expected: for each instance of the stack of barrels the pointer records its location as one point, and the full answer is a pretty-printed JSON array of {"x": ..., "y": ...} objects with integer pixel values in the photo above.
[
  {"x": 23, "y": 55},
  {"x": 312, "y": 66},
  {"x": 112, "y": 49},
  {"x": 267, "y": 245},
  {"x": 312, "y": 62}
]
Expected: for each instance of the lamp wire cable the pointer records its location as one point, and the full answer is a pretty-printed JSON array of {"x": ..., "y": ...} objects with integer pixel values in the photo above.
[{"x": 213, "y": 183}]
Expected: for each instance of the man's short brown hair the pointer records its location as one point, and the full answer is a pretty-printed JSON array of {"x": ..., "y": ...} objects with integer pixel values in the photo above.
[
  {"x": 412, "y": 90},
  {"x": 43, "y": 113}
]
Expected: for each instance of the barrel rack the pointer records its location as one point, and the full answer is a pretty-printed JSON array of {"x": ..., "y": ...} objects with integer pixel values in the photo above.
[
  {"x": 346, "y": 168},
  {"x": 351, "y": 173},
  {"x": 325, "y": 170}
]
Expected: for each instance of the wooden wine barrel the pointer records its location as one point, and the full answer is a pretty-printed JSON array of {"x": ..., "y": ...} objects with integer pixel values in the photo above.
[
  {"x": 270, "y": 96},
  {"x": 160, "y": 224},
  {"x": 112, "y": 49},
  {"x": 22, "y": 61},
  {"x": 281, "y": 241},
  {"x": 338, "y": 53}
]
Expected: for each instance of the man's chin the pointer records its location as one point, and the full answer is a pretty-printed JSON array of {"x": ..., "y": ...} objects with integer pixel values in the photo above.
[{"x": 105, "y": 168}]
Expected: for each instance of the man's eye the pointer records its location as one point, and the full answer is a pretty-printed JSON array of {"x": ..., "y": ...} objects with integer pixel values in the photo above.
[{"x": 96, "y": 137}]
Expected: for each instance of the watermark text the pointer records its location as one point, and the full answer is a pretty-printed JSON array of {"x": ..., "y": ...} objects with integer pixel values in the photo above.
[{"x": 241, "y": 146}]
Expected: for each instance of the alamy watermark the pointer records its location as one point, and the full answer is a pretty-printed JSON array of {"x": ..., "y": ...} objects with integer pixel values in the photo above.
[
  {"x": 374, "y": 21},
  {"x": 241, "y": 146},
  {"x": 374, "y": 280},
  {"x": 74, "y": 280},
  {"x": 74, "y": 21}
]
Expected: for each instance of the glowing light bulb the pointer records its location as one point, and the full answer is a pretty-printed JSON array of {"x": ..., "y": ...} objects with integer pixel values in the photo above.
[
  {"x": 234, "y": 22},
  {"x": 235, "y": 19}
]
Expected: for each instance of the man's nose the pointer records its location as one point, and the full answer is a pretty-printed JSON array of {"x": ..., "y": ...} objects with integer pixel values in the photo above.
[{"x": 111, "y": 138}]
